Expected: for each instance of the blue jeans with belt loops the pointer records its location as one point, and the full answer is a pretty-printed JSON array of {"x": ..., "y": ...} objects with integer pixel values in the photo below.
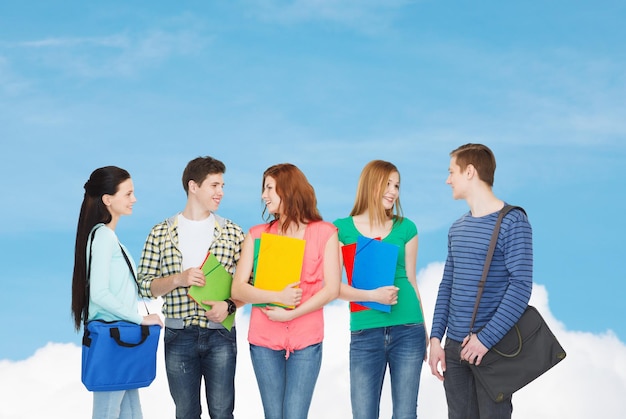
[
  {"x": 286, "y": 383},
  {"x": 402, "y": 348},
  {"x": 192, "y": 354}
]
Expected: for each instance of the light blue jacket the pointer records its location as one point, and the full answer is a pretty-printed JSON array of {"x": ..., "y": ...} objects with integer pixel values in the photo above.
[{"x": 113, "y": 291}]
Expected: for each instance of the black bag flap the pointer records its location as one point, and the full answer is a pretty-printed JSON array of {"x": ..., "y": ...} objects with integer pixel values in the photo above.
[{"x": 527, "y": 326}]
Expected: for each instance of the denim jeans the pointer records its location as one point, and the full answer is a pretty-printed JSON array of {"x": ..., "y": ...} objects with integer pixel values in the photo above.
[
  {"x": 194, "y": 353},
  {"x": 467, "y": 398},
  {"x": 123, "y": 404},
  {"x": 402, "y": 348},
  {"x": 286, "y": 384}
]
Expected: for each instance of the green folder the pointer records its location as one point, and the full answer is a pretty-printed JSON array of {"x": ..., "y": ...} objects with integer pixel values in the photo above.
[
  {"x": 257, "y": 246},
  {"x": 216, "y": 288}
]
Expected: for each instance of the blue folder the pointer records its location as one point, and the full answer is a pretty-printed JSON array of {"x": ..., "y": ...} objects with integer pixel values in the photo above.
[{"x": 374, "y": 267}]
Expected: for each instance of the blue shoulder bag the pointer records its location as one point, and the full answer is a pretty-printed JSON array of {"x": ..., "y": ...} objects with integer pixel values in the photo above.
[{"x": 117, "y": 355}]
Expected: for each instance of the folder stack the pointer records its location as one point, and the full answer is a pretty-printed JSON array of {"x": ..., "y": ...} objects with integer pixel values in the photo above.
[{"x": 373, "y": 266}]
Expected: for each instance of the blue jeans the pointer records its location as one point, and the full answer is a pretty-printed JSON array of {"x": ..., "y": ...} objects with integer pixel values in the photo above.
[
  {"x": 123, "y": 404},
  {"x": 466, "y": 397},
  {"x": 286, "y": 384},
  {"x": 402, "y": 348},
  {"x": 194, "y": 353}
]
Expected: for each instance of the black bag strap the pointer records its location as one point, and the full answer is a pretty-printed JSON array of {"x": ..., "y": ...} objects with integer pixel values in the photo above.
[
  {"x": 132, "y": 271},
  {"x": 86, "y": 306},
  {"x": 492, "y": 247},
  {"x": 115, "y": 334},
  {"x": 87, "y": 285}
]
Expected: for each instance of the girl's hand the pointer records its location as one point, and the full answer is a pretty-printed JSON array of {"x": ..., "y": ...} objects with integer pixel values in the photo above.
[
  {"x": 291, "y": 295},
  {"x": 277, "y": 314},
  {"x": 151, "y": 319},
  {"x": 385, "y": 295}
]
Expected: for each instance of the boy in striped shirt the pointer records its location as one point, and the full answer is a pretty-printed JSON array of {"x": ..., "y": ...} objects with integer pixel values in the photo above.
[{"x": 507, "y": 289}]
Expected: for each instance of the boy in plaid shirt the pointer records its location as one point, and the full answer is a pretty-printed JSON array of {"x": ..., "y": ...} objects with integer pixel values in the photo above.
[{"x": 196, "y": 344}]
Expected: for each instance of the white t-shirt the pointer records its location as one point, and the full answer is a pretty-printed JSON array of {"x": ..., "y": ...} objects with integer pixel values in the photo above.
[{"x": 194, "y": 239}]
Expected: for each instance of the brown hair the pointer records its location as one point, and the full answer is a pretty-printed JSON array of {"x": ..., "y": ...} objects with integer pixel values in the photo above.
[
  {"x": 199, "y": 168},
  {"x": 479, "y": 156},
  {"x": 370, "y": 189},
  {"x": 297, "y": 195}
]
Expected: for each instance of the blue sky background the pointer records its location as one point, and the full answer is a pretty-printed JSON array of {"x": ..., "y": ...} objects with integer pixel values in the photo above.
[{"x": 326, "y": 85}]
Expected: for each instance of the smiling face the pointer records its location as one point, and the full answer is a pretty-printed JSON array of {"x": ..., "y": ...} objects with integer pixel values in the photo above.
[
  {"x": 210, "y": 192},
  {"x": 121, "y": 203},
  {"x": 391, "y": 191},
  {"x": 270, "y": 196}
]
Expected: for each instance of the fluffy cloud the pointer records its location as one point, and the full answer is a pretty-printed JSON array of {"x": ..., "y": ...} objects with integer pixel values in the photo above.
[{"x": 48, "y": 384}]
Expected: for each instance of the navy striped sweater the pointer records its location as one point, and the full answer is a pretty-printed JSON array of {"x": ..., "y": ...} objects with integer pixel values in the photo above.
[{"x": 509, "y": 282}]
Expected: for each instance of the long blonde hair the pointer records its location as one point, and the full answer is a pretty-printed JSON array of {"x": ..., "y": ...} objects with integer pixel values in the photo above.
[{"x": 369, "y": 192}]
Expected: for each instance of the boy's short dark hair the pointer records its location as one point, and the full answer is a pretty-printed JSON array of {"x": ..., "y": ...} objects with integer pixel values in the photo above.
[{"x": 199, "y": 168}]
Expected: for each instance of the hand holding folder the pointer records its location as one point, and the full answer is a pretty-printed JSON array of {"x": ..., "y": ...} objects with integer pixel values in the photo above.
[
  {"x": 374, "y": 267},
  {"x": 216, "y": 288},
  {"x": 279, "y": 263}
]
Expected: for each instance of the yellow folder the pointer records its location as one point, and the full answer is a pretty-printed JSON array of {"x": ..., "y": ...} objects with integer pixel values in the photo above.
[
  {"x": 279, "y": 263},
  {"x": 216, "y": 288}
]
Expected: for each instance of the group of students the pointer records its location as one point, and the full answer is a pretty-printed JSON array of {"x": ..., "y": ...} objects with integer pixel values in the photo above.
[{"x": 286, "y": 344}]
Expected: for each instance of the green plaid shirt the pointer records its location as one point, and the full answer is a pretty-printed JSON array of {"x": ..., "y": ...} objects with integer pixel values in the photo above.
[{"x": 161, "y": 257}]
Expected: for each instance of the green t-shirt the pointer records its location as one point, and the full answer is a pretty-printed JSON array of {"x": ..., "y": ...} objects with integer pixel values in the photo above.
[{"x": 407, "y": 310}]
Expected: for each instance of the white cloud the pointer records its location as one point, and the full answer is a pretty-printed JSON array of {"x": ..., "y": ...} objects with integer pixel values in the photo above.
[
  {"x": 595, "y": 365},
  {"x": 114, "y": 41}
]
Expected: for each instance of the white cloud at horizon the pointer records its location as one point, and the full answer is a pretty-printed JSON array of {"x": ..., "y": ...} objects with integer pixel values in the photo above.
[{"x": 48, "y": 384}]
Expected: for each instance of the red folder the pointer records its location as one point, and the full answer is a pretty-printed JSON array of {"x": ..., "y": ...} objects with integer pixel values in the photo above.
[{"x": 348, "y": 251}]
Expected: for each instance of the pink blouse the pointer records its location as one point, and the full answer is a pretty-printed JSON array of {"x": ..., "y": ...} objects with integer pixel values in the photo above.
[{"x": 308, "y": 329}]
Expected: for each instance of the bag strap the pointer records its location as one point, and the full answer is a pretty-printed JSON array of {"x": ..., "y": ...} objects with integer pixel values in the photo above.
[
  {"x": 87, "y": 286},
  {"x": 132, "y": 271},
  {"x": 492, "y": 247},
  {"x": 114, "y": 332}
]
